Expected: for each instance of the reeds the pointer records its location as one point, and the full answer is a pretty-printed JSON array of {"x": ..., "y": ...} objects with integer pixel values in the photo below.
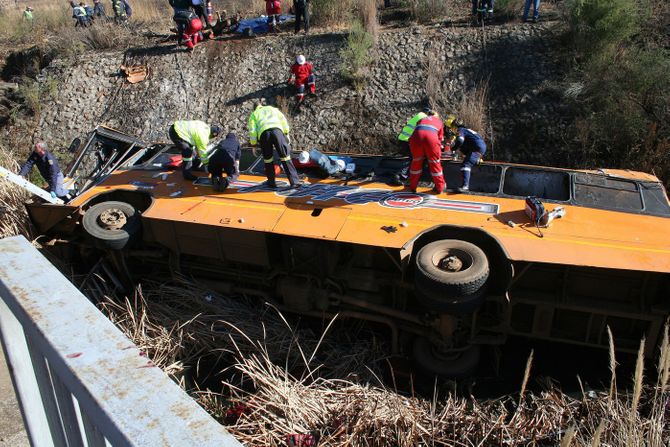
[
  {"x": 282, "y": 380},
  {"x": 13, "y": 216}
]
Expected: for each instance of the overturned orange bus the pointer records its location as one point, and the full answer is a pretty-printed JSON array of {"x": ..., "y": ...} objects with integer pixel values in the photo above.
[{"x": 445, "y": 274}]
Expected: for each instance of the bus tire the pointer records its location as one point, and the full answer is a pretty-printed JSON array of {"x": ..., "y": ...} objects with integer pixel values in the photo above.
[
  {"x": 451, "y": 275},
  {"x": 112, "y": 224}
]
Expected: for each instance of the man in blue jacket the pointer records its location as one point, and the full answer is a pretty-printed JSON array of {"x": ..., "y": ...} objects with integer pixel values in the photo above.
[
  {"x": 471, "y": 145},
  {"x": 48, "y": 167},
  {"x": 225, "y": 158}
]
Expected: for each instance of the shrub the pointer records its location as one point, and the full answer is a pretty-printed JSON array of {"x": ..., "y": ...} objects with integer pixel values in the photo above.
[
  {"x": 356, "y": 54},
  {"x": 427, "y": 11},
  {"x": 331, "y": 12},
  {"x": 619, "y": 85},
  {"x": 599, "y": 25},
  {"x": 508, "y": 9}
]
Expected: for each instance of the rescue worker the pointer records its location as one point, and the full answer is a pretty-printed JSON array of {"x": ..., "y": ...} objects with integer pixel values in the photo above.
[
  {"x": 470, "y": 144},
  {"x": 225, "y": 158},
  {"x": 273, "y": 10},
  {"x": 199, "y": 9},
  {"x": 28, "y": 17},
  {"x": 302, "y": 73},
  {"x": 119, "y": 8},
  {"x": 79, "y": 13},
  {"x": 49, "y": 169},
  {"x": 99, "y": 9},
  {"x": 426, "y": 144},
  {"x": 403, "y": 137},
  {"x": 182, "y": 16},
  {"x": 192, "y": 34},
  {"x": 301, "y": 10},
  {"x": 190, "y": 137},
  {"x": 89, "y": 13},
  {"x": 268, "y": 126}
]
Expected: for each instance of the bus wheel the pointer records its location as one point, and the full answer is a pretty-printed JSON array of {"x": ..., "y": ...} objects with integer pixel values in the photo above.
[
  {"x": 112, "y": 224},
  {"x": 451, "y": 275},
  {"x": 454, "y": 364}
]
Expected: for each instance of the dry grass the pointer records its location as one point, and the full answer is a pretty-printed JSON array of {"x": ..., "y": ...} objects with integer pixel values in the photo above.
[
  {"x": 471, "y": 107},
  {"x": 13, "y": 216},
  {"x": 284, "y": 381},
  {"x": 427, "y": 11},
  {"x": 332, "y": 13}
]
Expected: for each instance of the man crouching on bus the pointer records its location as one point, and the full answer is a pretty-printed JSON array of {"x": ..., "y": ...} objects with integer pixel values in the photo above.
[{"x": 225, "y": 158}]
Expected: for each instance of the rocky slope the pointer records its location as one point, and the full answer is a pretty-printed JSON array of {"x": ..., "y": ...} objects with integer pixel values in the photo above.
[{"x": 223, "y": 78}]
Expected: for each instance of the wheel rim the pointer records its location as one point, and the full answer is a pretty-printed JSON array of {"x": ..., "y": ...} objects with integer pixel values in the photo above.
[
  {"x": 112, "y": 219},
  {"x": 452, "y": 260}
]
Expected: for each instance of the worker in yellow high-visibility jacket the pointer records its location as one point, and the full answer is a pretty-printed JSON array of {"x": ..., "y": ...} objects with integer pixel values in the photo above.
[
  {"x": 190, "y": 137},
  {"x": 268, "y": 126}
]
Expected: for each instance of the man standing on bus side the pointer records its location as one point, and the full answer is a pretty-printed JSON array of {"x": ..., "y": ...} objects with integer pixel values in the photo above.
[{"x": 268, "y": 126}]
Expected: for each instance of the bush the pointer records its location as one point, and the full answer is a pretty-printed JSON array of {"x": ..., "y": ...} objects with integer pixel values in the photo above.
[
  {"x": 509, "y": 9},
  {"x": 331, "y": 12},
  {"x": 427, "y": 11},
  {"x": 619, "y": 85},
  {"x": 600, "y": 25},
  {"x": 356, "y": 54}
]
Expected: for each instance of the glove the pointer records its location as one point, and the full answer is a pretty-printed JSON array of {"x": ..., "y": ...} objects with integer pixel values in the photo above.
[
  {"x": 290, "y": 81},
  {"x": 53, "y": 195}
]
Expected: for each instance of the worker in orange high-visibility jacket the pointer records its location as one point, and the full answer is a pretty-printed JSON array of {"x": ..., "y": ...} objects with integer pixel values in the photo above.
[{"x": 425, "y": 144}]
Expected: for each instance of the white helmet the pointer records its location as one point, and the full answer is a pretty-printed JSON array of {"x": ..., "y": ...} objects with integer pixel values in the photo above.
[
  {"x": 303, "y": 157},
  {"x": 300, "y": 59},
  {"x": 341, "y": 164}
]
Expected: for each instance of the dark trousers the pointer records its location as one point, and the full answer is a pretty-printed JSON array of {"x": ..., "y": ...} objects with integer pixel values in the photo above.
[
  {"x": 301, "y": 11},
  {"x": 186, "y": 154},
  {"x": 201, "y": 13},
  {"x": 271, "y": 140}
]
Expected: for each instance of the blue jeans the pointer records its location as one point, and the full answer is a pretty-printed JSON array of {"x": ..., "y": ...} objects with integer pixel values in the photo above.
[
  {"x": 486, "y": 4},
  {"x": 536, "y": 9},
  {"x": 325, "y": 163}
]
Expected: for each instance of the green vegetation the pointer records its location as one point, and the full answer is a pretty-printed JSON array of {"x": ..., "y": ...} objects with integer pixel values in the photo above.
[
  {"x": 619, "y": 83},
  {"x": 356, "y": 55},
  {"x": 427, "y": 11}
]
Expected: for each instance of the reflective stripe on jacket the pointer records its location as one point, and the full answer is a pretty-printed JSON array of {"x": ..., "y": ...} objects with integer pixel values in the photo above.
[
  {"x": 79, "y": 11},
  {"x": 430, "y": 125},
  {"x": 408, "y": 130},
  {"x": 264, "y": 118},
  {"x": 195, "y": 133}
]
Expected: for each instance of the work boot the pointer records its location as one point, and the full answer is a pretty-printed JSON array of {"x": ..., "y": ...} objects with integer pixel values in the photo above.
[
  {"x": 396, "y": 181},
  {"x": 464, "y": 189}
]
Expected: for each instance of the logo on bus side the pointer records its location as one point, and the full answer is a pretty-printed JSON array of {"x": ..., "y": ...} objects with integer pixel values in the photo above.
[
  {"x": 402, "y": 200},
  {"x": 356, "y": 195}
]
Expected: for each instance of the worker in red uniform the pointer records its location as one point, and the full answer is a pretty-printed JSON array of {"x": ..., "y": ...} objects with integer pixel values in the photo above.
[
  {"x": 273, "y": 10},
  {"x": 192, "y": 33},
  {"x": 426, "y": 144},
  {"x": 302, "y": 73}
]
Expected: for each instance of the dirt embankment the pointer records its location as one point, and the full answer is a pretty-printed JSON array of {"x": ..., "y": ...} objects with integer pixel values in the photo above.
[{"x": 222, "y": 79}]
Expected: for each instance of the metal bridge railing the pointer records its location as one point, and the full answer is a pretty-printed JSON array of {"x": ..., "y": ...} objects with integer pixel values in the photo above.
[{"x": 79, "y": 380}]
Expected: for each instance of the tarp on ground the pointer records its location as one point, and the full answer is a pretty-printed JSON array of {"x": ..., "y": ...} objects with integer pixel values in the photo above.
[{"x": 259, "y": 25}]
